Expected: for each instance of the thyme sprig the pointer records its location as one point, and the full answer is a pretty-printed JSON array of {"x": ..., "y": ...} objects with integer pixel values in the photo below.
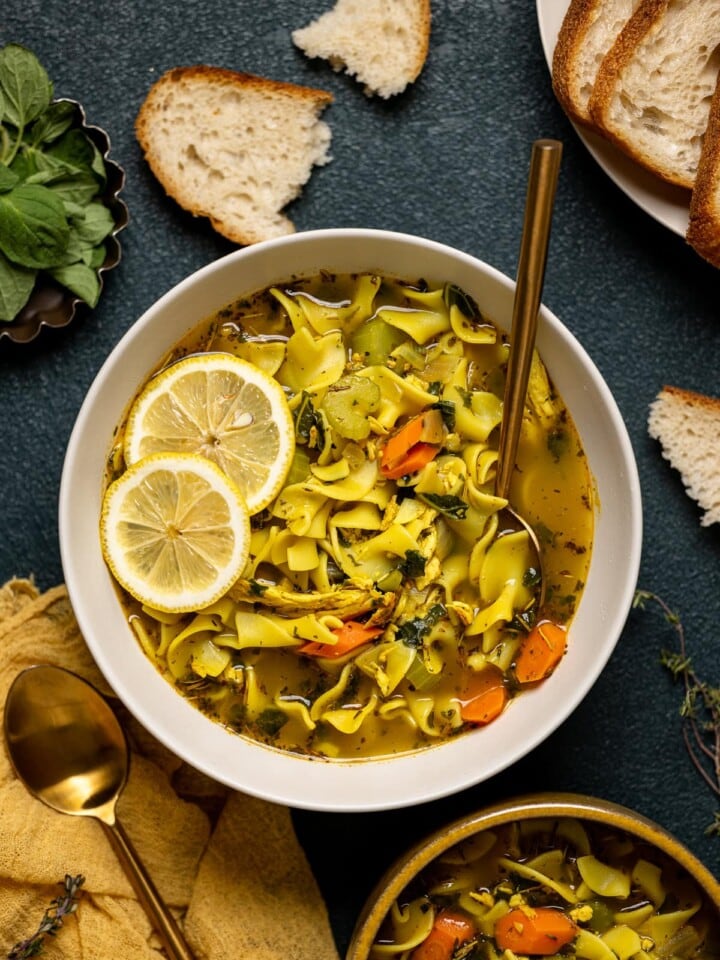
[
  {"x": 700, "y": 708},
  {"x": 60, "y": 908}
]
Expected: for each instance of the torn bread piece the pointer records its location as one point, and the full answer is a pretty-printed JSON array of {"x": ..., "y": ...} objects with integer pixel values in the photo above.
[
  {"x": 233, "y": 147},
  {"x": 588, "y": 31},
  {"x": 653, "y": 89},
  {"x": 687, "y": 424},
  {"x": 382, "y": 43}
]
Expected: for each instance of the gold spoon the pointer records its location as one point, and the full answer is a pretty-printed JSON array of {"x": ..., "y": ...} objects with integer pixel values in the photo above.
[
  {"x": 69, "y": 749},
  {"x": 542, "y": 181}
]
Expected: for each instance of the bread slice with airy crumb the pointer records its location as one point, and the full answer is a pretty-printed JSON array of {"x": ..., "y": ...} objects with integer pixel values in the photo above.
[
  {"x": 382, "y": 43},
  {"x": 233, "y": 147},
  {"x": 703, "y": 232},
  {"x": 687, "y": 424},
  {"x": 588, "y": 31},
  {"x": 653, "y": 89}
]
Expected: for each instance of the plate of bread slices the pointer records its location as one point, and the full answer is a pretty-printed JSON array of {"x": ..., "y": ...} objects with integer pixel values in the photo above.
[{"x": 638, "y": 79}]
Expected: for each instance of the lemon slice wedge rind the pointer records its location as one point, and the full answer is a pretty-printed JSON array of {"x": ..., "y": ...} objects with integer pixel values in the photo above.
[
  {"x": 175, "y": 531},
  {"x": 222, "y": 408}
]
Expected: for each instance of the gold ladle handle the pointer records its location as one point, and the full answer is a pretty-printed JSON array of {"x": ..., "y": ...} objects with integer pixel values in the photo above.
[
  {"x": 542, "y": 182},
  {"x": 163, "y": 921}
]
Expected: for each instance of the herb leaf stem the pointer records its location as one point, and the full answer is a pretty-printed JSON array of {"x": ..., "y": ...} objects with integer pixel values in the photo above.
[{"x": 700, "y": 709}]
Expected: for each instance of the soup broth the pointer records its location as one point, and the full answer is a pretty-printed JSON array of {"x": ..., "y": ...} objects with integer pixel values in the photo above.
[
  {"x": 552, "y": 888},
  {"x": 402, "y": 558}
]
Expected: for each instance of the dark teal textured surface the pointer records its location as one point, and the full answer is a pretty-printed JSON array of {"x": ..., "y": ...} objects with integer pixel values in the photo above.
[{"x": 446, "y": 160}]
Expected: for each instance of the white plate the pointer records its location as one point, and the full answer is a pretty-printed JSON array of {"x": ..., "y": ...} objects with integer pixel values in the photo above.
[{"x": 666, "y": 204}]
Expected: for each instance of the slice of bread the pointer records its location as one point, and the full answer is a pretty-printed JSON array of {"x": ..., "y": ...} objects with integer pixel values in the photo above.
[
  {"x": 653, "y": 89},
  {"x": 588, "y": 31},
  {"x": 382, "y": 43},
  {"x": 703, "y": 232},
  {"x": 233, "y": 147},
  {"x": 687, "y": 425}
]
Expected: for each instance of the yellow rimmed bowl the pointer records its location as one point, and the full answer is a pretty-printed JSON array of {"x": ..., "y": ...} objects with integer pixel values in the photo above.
[{"x": 541, "y": 806}]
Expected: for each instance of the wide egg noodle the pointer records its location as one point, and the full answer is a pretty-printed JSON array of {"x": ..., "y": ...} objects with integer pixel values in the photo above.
[
  {"x": 387, "y": 663},
  {"x": 409, "y": 924}
]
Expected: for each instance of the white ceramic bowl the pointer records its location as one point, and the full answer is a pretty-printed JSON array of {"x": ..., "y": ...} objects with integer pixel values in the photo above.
[{"x": 373, "y": 784}]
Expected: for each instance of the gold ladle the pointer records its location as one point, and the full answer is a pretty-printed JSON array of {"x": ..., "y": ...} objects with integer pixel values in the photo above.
[
  {"x": 70, "y": 751},
  {"x": 542, "y": 182}
]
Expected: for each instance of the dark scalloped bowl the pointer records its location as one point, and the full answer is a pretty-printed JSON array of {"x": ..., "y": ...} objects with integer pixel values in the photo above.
[{"x": 51, "y": 305}]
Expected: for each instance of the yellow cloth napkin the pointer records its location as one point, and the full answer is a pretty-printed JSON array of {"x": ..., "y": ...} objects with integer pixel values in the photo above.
[{"x": 229, "y": 865}]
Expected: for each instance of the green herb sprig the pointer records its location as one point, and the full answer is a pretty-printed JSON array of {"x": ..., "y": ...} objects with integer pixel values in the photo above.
[
  {"x": 51, "y": 178},
  {"x": 700, "y": 708},
  {"x": 60, "y": 908}
]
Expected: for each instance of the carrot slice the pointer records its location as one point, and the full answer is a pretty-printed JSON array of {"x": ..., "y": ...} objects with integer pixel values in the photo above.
[
  {"x": 450, "y": 929},
  {"x": 350, "y": 635},
  {"x": 540, "y": 652},
  {"x": 485, "y": 696},
  {"x": 413, "y": 445},
  {"x": 414, "y": 460},
  {"x": 540, "y": 931}
]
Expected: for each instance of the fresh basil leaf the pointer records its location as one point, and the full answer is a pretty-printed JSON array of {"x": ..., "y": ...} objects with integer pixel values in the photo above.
[
  {"x": 2, "y": 105},
  {"x": 80, "y": 188},
  {"x": 53, "y": 122},
  {"x": 16, "y": 285},
  {"x": 98, "y": 164},
  {"x": 8, "y": 179},
  {"x": 95, "y": 256},
  {"x": 33, "y": 228},
  {"x": 95, "y": 224},
  {"x": 81, "y": 279},
  {"x": 26, "y": 86},
  {"x": 74, "y": 149},
  {"x": 35, "y": 166}
]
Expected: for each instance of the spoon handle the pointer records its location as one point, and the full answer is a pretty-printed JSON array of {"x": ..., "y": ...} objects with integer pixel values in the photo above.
[
  {"x": 163, "y": 921},
  {"x": 542, "y": 181}
]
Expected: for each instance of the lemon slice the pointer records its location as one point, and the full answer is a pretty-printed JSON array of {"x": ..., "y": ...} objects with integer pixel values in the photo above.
[
  {"x": 222, "y": 408},
  {"x": 175, "y": 531}
]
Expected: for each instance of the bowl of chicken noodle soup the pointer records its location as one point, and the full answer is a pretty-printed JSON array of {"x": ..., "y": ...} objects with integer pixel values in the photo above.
[
  {"x": 281, "y": 538},
  {"x": 544, "y": 876}
]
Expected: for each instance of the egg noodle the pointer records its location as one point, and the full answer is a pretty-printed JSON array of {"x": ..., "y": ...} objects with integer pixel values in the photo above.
[{"x": 381, "y": 596}]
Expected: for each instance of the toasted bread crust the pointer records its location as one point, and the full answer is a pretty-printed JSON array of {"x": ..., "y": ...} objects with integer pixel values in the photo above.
[
  {"x": 575, "y": 25},
  {"x": 703, "y": 232},
  {"x": 648, "y": 15},
  {"x": 201, "y": 79},
  {"x": 691, "y": 398}
]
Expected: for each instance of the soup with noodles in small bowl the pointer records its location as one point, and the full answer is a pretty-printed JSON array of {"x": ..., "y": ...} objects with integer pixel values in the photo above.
[
  {"x": 544, "y": 876},
  {"x": 298, "y": 516}
]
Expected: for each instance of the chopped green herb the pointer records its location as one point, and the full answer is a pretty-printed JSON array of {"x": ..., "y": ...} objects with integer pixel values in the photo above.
[
  {"x": 447, "y": 504},
  {"x": 558, "y": 443},
  {"x": 447, "y": 411},
  {"x": 455, "y": 296},
  {"x": 309, "y": 424},
  {"x": 412, "y": 632},
  {"x": 271, "y": 721},
  {"x": 413, "y": 565}
]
